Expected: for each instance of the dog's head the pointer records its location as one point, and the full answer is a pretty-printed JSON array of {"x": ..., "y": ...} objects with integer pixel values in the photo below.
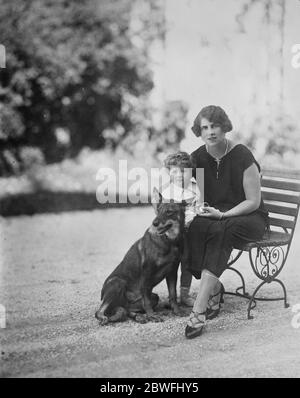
[{"x": 169, "y": 218}]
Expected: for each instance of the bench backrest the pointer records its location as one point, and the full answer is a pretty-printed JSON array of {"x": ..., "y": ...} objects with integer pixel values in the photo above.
[{"x": 281, "y": 195}]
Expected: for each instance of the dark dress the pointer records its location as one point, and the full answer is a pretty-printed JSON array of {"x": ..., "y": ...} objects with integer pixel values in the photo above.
[{"x": 211, "y": 241}]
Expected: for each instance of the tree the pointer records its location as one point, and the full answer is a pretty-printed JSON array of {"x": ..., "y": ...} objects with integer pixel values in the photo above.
[{"x": 76, "y": 66}]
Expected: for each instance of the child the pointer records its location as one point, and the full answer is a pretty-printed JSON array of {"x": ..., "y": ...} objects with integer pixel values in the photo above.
[{"x": 182, "y": 187}]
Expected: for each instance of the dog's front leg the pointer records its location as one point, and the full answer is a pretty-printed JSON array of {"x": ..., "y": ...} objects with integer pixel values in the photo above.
[
  {"x": 171, "y": 279},
  {"x": 149, "y": 315},
  {"x": 147, "y": 302},
  {"x": 102, "y": 318}
]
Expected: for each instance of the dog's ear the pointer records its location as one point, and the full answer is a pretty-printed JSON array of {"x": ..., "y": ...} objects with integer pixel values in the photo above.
[{"x": 156, "y": 199}]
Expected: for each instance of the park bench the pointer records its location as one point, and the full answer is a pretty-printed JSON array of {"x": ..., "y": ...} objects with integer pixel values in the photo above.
[{"x": 281, "y": 195}]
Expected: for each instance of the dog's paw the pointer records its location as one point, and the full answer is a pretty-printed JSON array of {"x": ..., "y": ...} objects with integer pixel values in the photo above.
[
  {"x": 119, "y": 316},
  {"x": 144, "y": 318},
  {"x": 102, "y": 319},
  {"x": 141, "y": 318},
  {"x": 155, "y": 318}
]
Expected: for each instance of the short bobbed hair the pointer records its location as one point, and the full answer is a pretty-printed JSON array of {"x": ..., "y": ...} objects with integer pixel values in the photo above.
[
  {"x": 214, "y": 114},
  {"x": 179, "y": 159}
]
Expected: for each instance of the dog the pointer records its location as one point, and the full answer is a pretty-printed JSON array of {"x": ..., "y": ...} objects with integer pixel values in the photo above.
[{"x": 127, "y": 292}]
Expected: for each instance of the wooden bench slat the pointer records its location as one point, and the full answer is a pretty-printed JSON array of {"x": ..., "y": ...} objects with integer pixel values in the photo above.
[
  {"x": 281, "y": 184},
  {"x": 280, "y": 197},
  {"x": 280, "y": 209},
  {"x": 290, "y": 174},
  {"x": 280, "y": 222}
]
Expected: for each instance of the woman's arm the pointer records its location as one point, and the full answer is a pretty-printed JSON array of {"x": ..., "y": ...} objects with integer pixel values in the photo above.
[{"x": 251, "y": 185}]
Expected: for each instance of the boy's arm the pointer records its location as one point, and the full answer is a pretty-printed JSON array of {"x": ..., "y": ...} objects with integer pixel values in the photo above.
[{"x": 198, "y": 200}]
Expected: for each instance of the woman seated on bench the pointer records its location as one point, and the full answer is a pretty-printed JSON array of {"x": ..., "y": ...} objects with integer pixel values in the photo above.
[{"x": 235, "y": 214}]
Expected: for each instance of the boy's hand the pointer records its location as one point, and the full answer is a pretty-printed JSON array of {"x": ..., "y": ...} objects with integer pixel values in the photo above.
[
  {"x": 200, "y": 211},
  {"x": 201, "y": 208}
]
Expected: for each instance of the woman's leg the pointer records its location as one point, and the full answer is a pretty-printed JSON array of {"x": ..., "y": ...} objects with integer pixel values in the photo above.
[
  {"x": 197, "y": 317},
  {"x": 207, "y": 247},
  {"x": 208, "y": 283},
  {"x": 211, "y": 241},
  {"x": 244, "y": 229},
  {"x": 210, "y": 245},
  {"x": 222, "y": 237},
  {"x": 197, "y": 239}
]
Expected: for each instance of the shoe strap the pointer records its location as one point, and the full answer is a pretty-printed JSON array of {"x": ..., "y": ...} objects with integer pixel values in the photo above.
[
  {"x": 195, "y": 321},
  {"x": 213, "y": 303}
]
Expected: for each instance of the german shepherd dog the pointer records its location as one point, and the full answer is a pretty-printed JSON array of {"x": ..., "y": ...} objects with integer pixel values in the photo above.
[{"x": 127, "y": 292}]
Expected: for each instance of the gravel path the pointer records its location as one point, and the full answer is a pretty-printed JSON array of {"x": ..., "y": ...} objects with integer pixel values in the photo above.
[{"x": 53, "y": 267}]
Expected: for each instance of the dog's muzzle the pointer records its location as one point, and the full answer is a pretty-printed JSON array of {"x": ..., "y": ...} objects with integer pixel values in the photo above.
[
  {"x": 155, "y": 223},
  {"x": 164, "y": 228}
]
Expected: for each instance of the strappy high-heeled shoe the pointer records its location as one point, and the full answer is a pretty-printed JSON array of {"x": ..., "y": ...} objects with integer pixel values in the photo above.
[
  {"x": 214, "y": 304},
  {"x": 195, "y": 325}
]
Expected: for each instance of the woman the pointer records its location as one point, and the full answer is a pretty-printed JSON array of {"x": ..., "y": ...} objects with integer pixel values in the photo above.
[{"x": 235, "y": 214}]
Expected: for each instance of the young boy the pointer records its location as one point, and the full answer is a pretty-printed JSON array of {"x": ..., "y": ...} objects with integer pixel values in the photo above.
[{"x": 182, "y": 187}]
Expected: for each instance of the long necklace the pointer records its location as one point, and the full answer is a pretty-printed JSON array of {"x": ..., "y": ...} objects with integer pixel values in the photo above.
[{"x": 218, "y": 160}]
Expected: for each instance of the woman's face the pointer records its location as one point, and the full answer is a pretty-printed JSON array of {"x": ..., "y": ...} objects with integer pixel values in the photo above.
[{"x": 211, "y": 133}]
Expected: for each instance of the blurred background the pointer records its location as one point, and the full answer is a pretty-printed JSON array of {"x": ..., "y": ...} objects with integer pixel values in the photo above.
[{"x": 88, "y": 83}]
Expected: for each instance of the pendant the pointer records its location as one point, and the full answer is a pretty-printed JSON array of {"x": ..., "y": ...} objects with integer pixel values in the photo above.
[{"x": 218, "y": 161}]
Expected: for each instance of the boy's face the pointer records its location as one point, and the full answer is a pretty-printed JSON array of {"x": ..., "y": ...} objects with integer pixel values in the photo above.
[{"x": 180, "y": 176}]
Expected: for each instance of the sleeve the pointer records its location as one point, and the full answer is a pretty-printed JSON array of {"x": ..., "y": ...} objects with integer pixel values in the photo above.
[{"x": 247, "y": 158}]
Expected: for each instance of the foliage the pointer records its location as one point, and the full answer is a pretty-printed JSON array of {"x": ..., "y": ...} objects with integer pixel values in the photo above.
[
  {"x": 173, "y": 126},
  {"x": 11, "y": 124},
  {"x": 73, "y": 66},
  {"x": 147, "y": 136},
  {"x": 274, "y": 140}
]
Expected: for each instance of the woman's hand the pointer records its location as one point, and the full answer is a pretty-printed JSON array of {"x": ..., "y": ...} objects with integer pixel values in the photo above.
[{"x": 211, "y": 212}]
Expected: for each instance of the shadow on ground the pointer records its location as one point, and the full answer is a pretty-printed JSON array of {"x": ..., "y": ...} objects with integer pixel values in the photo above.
[{"x": 59, "y": 202}]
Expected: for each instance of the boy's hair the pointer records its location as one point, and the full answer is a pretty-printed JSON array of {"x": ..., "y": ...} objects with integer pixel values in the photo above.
[{"x": 179, "y": 159}]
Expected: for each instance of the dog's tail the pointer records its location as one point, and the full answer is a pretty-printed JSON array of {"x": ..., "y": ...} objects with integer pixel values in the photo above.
[{"x": 113, "y": 294}]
